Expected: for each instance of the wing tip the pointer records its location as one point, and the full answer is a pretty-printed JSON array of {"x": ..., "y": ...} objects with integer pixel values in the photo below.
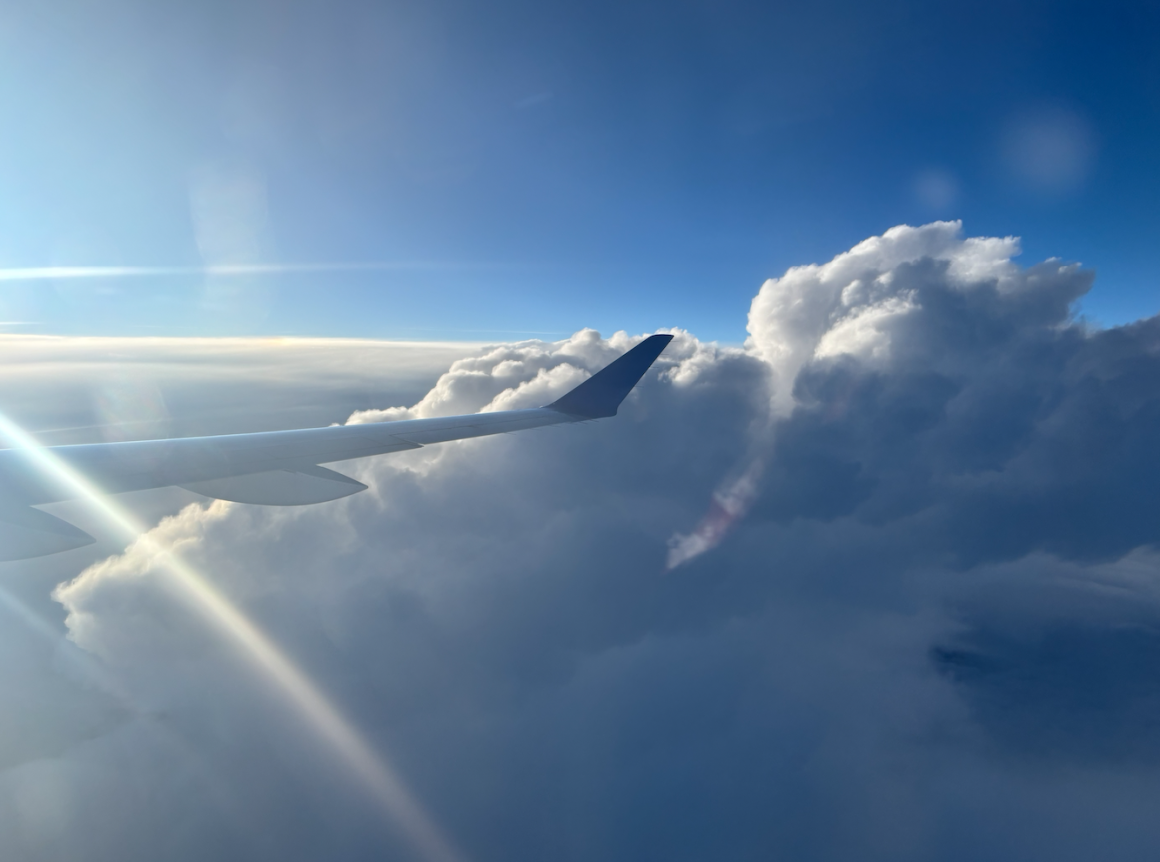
[{"x": 600, "y": 395}]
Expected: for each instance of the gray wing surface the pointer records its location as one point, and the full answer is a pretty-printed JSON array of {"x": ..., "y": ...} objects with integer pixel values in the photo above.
[{"x": 278, "y": 468}]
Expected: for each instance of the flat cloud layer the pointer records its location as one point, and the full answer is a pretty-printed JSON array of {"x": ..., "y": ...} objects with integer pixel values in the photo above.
[
  {"x": 881, "y": 585},
  {"x": 71, "y": 390}
]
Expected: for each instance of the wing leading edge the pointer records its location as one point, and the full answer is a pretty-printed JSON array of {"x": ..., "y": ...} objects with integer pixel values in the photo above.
[{"x": 278, "y": 468}]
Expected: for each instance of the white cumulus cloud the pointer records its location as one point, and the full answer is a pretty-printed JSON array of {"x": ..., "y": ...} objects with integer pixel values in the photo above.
[{"x": 917, "y": 621}]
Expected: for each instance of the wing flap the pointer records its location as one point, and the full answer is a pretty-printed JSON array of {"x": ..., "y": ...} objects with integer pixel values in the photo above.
[{"x": 299, "y": 487}]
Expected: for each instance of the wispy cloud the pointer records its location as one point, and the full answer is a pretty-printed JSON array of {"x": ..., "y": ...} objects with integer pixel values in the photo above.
[{"x": 53, "y": 273}]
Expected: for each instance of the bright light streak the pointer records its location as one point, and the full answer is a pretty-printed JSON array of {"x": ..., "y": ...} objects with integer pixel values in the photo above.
[
  {"x": 323, "y": 717},
  {"x": 52, "y": 273}
]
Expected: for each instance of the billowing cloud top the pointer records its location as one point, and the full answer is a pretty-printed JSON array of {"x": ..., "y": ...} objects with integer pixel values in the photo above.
[{"x": 879, "y": 585}]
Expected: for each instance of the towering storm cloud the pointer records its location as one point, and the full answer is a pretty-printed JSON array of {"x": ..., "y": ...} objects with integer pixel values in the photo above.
[{"x": 879, "y": 584}]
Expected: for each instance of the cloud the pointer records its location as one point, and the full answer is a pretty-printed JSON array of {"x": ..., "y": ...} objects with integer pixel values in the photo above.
[
  {"x": 80, "y": 390},
  {"x": 917, "y": 621}
]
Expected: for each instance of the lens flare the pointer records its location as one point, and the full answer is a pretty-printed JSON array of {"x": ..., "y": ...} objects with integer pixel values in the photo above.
[
  {"x": 322, "y": 716},
  {"x": 730, "y": 503}
]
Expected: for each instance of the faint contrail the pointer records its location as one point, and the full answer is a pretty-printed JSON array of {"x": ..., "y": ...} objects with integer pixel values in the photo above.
[
  {"x": 53, "y": 273},
  {"x": 311, "y": 703}
]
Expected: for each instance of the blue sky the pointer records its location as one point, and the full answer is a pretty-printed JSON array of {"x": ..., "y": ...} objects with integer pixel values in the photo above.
[{"x": 537, "y": 168}]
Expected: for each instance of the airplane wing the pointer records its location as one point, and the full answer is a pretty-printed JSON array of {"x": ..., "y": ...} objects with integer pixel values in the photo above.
[{"x": 278, "y": 468}]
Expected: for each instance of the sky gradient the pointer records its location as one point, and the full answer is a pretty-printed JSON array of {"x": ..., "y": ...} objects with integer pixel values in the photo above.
[{"x": 531, "y": 169}]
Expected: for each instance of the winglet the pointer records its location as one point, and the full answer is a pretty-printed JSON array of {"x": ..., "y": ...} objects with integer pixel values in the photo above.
[{"x": 600, "y": 395}]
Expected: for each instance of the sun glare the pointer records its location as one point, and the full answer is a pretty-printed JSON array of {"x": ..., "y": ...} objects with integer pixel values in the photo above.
[{"x": 321, "y": 715}]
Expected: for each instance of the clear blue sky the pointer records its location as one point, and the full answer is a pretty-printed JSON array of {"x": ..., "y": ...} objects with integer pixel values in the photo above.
[{"x": 539, "y": 167}]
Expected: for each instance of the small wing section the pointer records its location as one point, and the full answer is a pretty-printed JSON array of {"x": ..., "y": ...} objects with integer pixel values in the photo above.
[
  {"x": 600, "y": 395},
  {"x": 26, "y": 532},
  {"x": 298, "y": 487}
]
